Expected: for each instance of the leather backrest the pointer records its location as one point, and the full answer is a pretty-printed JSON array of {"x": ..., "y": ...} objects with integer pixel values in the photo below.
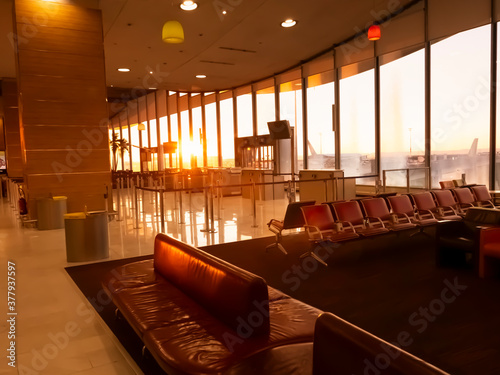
[
  {"x": 349, "y": 211},
  {"x": 464, "y": 195},
  {"x": 235, "y": 296},
  {"x": 401, "y": 204},
  {"x": 424, "y": 201},
  {"x": 376, "y": 207},
  {"x": 481, "y": 193},
  {"x": 444, "y": 198},
  {"x": 293, "y": 216},
  {"x": 481, "y": 215},
  {"x": 318, "y": 215},
  {"x": 341, "y": 348}
]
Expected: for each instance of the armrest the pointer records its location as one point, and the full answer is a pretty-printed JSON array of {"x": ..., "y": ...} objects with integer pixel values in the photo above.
[
  {"x": 396, "y": 216},
  {"x": 377, "y": 219},
  {"x": 419, "y": 214},
  {"x": 350, "y": 225},
  {"x": 312, "y": 230}
]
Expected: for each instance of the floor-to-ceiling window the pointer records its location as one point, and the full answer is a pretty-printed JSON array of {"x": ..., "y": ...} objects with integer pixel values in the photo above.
[
  {"x": 357, "y": 119},
  {"x": 460, "y": 97},
  {"x": 291, "y": 110},
  {"x": 211, "y": 130},
  {"x": 244, "y": 113},
  {"x": 320, "y": 134},
  {"x": 227, "y": 129},
  {"x": 266, "y": 109},
  {"x": 402, "y": 117}
]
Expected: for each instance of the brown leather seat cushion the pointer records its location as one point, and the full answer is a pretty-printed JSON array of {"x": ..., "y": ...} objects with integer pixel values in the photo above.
[
  {"x": 205, "y": 345},
  {"x": 130, "y": 275}
]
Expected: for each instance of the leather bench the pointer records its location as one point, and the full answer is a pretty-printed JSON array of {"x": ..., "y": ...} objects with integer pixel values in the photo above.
[{"x": 197, "y": 314}]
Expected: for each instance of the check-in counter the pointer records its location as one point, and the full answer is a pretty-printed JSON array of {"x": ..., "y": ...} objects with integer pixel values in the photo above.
[
  {"x": 262, "y": 192},
  {"x": 325, "y": 191}
]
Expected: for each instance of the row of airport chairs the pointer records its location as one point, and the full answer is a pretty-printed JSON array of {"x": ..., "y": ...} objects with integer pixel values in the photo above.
[{"x": 345, "y": 220}]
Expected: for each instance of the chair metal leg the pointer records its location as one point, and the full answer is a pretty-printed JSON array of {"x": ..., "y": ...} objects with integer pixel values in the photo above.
[
  {"x": 279, "y": 246},
  {"x": 314, "y": 256}
]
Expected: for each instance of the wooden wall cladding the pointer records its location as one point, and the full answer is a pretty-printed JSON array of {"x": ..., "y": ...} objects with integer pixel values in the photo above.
[
  {"x": 13, "y": 148},
  {"x": 63, "y": 104}
]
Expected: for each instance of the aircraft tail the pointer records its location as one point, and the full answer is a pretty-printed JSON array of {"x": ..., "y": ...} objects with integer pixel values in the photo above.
[
  {"x": 311, "y": 148},
  {"x": 473, "y": 148}
]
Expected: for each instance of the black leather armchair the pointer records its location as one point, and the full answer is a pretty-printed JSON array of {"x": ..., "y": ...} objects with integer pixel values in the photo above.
[{"x": 457, "y": 242}]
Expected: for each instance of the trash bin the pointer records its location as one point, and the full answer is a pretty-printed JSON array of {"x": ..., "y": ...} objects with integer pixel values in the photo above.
[
  {"x": 86, "y": 236},
  {"x": 50, "y": 212}
]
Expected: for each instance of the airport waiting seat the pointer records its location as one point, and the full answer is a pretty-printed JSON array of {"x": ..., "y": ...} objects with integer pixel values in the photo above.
[
  {"x": 482, "y": 196},
  {"x": 464, "y": 197},
  {"x": 402, "y": 205},
  {"x": 446, "y": 202},
  {"x": 425, "y": 204},
  {"x": 322, "y": 227},
  {"x": 350, "y": 213},
  {"x": 377, "y": 208},
  {"x": 447, "y": 184},
  {"x": 293, "y": 219}
]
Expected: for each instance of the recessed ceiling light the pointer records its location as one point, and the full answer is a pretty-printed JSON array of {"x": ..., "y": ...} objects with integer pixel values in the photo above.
[
  {"x": 288, "y": 23},
  {"x": 188, "y": 5},
  {"x": 224, "y": 12},
  {"x": 201, "y": 76},
  {"x": 123, "y": 69}
]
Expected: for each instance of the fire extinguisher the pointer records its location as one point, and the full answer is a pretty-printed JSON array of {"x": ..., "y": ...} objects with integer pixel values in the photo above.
[{"x": 23, "y": 208}]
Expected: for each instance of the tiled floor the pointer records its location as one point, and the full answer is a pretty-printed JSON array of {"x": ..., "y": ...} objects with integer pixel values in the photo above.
[{"x": 56, "y": 329}]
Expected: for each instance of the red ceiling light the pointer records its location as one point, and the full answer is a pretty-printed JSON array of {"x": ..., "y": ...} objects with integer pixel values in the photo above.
[{"x": 374, "y": 32}]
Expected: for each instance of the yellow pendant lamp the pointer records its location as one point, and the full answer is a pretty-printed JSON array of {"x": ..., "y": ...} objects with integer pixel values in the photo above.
[{"x": 172, "y": 32}]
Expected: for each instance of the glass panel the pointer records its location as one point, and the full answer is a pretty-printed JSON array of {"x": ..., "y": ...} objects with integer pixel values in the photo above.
[
  {"x": 136, "y": 164},
  {"x": 227, "y": 132},
  {"x": 212, "y": 138},
  {"x": 266, "y": 109},
  {"x": 197, "y": 144},
  {"x": 357, "y": 121},
  {"x": 321, "y": 138},
  {"x": 244, "y": 112},
  {"x": 402, "y": 117},
  {"x": 291, "y": 110},
  {"x": 186, "y": 144},
  {"x": 126, "y": 155},
  {"x": 174, "y": 137},
  {"x": 460, "y": 75}
]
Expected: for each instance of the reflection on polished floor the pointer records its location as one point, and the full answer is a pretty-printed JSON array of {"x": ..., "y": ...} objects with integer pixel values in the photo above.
[{"x": 56, "y": 329}]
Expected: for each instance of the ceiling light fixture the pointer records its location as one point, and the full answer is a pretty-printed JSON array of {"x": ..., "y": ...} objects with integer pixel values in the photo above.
[
  {"x": 188, "y": 5},
  {"x": 172, "y": 32},
  {"x": 201, "y": 76},
  {"x": 374, "y": 32},
  {"x": 288, "y": 23},
  {"x": 123, "y": 69},
  {"x": 224, "y": 12}
]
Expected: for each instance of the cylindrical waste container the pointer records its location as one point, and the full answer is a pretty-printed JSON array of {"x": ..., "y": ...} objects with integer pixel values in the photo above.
[
  {"x": 50, "y": 212},
  {"x": 86, "y": 236}
]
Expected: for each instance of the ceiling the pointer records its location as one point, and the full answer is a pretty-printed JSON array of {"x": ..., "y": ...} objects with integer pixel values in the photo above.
[{"x": 243, "y": 46}]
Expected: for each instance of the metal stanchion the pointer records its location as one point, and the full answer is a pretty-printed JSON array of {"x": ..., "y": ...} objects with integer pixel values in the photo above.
[
  {"x": 407, "y": 180},
  {"x": 118, "y": 201},
  {"x": 212, "y": 227},
  {"x": 162, "y": 208},
  {"x": 219, "y": 200},
  {"x": 136, "y": 204},
  {"x": 181, "y": 213},
  {"x": 254, "y": 208}
]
